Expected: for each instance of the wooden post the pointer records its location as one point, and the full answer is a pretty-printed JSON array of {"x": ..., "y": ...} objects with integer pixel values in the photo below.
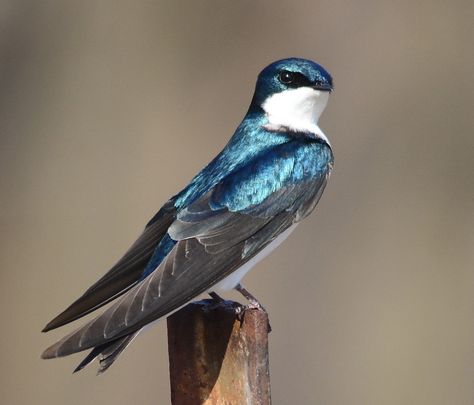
[{"x": 218, "y": 357}]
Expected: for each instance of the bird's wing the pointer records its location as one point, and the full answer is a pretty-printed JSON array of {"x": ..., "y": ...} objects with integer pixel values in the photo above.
[
  {"x": 124, "y": 274},
  {"x": 214, "y": 236}
]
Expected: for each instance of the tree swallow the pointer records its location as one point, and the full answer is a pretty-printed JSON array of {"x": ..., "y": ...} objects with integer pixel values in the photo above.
[{"x": 234, "y": 212}]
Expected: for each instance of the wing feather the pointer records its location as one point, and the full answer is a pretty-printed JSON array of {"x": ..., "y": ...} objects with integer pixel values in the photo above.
[
  {"x": 214, "y": 235},
  {"x": 123, "y": 275}
]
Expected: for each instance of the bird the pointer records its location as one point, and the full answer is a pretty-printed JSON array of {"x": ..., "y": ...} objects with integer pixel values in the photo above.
[{"x": 234, "y": 212}]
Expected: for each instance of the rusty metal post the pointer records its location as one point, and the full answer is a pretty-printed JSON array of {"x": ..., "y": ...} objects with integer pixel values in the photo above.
[{"x": 218, "y": 357}]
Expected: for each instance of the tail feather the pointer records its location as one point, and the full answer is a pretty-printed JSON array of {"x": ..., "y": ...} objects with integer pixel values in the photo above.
[{"x": 107, "y": 353}]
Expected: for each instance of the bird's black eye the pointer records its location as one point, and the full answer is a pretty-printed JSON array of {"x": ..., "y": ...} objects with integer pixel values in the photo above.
[
  {"x": 286, "y": 77},
  {"x": 293, "y": 79}
]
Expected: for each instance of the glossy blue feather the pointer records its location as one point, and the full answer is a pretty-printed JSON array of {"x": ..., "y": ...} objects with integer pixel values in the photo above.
[
  {"x": 282, "y": 166},
  {"x": 250, "y": 140},
  {"x": 256, "y": 162}
]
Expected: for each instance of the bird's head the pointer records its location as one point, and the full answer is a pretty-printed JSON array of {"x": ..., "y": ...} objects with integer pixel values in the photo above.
[{"x": 292, "y": 93}]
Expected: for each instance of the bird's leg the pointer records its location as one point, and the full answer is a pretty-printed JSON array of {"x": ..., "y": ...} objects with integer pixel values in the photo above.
[
  {"x": 216, "y": 302},
  {"x": 254, "y": 304},
  {"x": 216, "y": 297}
]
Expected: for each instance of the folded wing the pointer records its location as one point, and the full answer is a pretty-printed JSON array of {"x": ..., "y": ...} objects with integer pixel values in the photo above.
[{"x": 214, "y": 235}]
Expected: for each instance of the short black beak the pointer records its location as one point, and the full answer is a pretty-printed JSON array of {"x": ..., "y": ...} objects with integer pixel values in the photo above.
[{"x": 323, "y": 87}]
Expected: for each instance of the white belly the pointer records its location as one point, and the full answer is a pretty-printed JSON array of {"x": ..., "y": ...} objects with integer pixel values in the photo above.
[{"x": 233, "y": 279}]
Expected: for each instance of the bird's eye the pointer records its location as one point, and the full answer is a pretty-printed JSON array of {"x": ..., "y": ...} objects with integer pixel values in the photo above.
[
  {"x": 286, "y": 77},
  {"x": 293, "y": 79}
]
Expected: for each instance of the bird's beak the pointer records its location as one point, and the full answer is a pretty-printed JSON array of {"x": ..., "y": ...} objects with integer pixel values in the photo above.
[{"x": 323, "y": 87}]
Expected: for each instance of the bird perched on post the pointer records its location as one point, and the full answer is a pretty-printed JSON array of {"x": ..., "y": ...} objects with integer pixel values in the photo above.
[{"x": 235, "y": 211}]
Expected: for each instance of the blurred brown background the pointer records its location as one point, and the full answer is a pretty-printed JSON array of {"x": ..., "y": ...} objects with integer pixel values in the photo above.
[{"x": 109, "y": 107}]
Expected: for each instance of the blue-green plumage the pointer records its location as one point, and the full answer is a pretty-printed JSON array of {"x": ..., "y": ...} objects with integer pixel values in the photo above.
[
  {"x": 268, "y": 177},
  {"x": 295, "y": 161},
  {"x": 249, "y": 141},
  {"x": 283, "y": 160}
]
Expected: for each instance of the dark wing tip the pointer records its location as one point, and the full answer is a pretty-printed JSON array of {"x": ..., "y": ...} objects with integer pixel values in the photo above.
[
  {"x": 123, "y": 275},
  {"x": 91, "y": 300},
  {"x": 50, "y": 326},
  {"x": 50, "y": 352},
  {"x": 62, "y": 319}
]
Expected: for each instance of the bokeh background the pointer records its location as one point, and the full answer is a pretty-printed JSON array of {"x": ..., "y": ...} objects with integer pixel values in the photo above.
[{"x": 109, "y": 107}]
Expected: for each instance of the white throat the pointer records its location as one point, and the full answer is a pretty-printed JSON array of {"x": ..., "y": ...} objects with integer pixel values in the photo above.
[{"x": 297, "y": 109}]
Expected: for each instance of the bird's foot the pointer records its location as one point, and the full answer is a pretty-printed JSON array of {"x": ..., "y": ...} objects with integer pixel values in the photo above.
[{"x": 253, "y": 302}]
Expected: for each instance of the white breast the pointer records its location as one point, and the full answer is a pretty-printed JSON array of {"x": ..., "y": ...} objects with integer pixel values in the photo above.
[{"x": 233, "y": 279}]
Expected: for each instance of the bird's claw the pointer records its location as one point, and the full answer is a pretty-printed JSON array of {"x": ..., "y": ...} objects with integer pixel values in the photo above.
[{"x": 240, "y": 312}]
